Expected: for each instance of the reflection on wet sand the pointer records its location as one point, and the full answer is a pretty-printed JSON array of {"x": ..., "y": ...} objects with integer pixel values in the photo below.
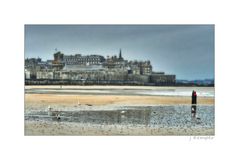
[{"x": 150, "y": 118}]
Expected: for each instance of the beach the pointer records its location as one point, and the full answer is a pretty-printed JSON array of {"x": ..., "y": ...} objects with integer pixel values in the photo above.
[{"x": 118, "y": 110}]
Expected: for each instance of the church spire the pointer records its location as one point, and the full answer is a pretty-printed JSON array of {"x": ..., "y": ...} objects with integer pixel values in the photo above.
[{"x": 120, "y": 55}]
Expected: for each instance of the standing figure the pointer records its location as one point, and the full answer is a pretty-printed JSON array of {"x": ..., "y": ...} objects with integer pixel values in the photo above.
[{"x": 194, "y": 104}]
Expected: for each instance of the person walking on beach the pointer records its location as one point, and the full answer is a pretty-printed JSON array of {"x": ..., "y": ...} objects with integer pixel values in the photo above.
[{"x": 194, "y": 102}]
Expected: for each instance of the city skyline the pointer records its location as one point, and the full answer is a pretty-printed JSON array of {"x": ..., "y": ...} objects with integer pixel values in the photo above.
[{"x": 184, "y": 50}]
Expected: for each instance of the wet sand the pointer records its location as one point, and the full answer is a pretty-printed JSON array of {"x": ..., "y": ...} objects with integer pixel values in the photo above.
[{"x": 43, "y": 100}]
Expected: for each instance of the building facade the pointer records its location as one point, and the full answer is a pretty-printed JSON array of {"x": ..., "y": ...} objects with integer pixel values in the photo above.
[{"x": 83, "y": 60}]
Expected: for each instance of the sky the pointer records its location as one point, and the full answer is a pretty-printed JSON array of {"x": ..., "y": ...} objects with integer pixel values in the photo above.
[{"x": 184, "y": 50}]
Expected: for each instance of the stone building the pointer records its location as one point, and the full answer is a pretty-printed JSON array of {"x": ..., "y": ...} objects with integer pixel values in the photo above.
[
  {"x": 58, "y": 58},
  {"x": 115, "y": 62},
  {"x": 32, "y": 62},
  {"x": 27, "y": 74},
  {"x": 31, "y": 67},
  {"x": 95, "y": 69},
  {"x": 45, "y": 74},
  {"x": 140, "y": 67},
  {"x": 145, "y": 68}
]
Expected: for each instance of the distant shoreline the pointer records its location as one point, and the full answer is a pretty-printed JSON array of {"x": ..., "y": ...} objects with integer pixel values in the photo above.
[
  {"x": 108, "y": 82},
  {"x": 111, "y": 85}
]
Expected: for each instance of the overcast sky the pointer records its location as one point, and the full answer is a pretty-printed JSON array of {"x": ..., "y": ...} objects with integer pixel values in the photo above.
[{"x": 184, "y": 50}]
